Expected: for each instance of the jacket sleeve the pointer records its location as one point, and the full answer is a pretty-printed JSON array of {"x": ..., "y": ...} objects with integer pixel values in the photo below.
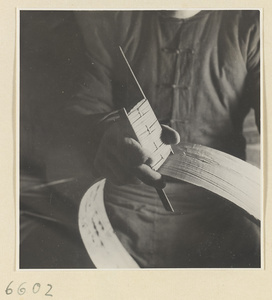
[
  {"x": 79, "y": 130},
  {"x": 95, "y": 93}
]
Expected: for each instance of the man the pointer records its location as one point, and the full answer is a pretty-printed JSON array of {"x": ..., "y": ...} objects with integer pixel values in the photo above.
[{"x": 200, "y": 73}]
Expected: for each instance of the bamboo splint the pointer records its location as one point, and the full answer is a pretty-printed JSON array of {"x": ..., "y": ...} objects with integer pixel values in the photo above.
[
  {"x": 227, "y": 176},
  {"x": 218, "y": 172},
  {"x": 99, "y": 238}
]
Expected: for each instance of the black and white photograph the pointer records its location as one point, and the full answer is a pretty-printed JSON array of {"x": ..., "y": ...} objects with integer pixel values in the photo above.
[{"x": 140, "y": 139}]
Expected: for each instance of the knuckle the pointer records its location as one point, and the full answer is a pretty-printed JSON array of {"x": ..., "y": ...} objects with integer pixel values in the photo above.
[{"x": 128, "y": 141}]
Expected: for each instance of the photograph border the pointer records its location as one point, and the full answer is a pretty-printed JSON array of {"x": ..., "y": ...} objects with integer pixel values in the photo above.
[{"x": 149, "y": 284}]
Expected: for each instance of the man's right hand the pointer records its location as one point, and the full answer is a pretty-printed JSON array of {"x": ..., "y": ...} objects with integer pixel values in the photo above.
[{"x": 122, "y": 160}]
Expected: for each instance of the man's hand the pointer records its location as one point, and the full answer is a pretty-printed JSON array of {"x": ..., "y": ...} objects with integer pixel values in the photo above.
[{"x": 122, "y": 160}]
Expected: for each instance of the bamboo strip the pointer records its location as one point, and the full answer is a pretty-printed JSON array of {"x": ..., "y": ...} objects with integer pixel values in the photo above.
[
  {"x": 218, "y": 172},
  {"x": 213, "y": 170}
]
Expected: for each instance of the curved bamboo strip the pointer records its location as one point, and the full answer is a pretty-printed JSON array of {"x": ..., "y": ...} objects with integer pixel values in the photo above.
[
  {"x": 218, "y": 172},
  {"x": 213, "y": 170}
]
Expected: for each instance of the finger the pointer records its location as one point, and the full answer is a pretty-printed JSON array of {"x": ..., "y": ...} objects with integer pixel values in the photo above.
[
  {"x": 121, "y": 176},
  {"x": 149, "y": 176},
  {"x": 134, "y": 154},
  {"x": 169, "y": 135},
  {"x": 111, "y": 169}
]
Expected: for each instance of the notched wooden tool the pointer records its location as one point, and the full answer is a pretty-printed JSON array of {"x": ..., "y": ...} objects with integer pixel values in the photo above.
[{"x": 147, "y": 130}]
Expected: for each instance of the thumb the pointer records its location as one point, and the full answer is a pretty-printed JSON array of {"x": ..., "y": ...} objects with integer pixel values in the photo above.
[{"x": 169, "y": 135}]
